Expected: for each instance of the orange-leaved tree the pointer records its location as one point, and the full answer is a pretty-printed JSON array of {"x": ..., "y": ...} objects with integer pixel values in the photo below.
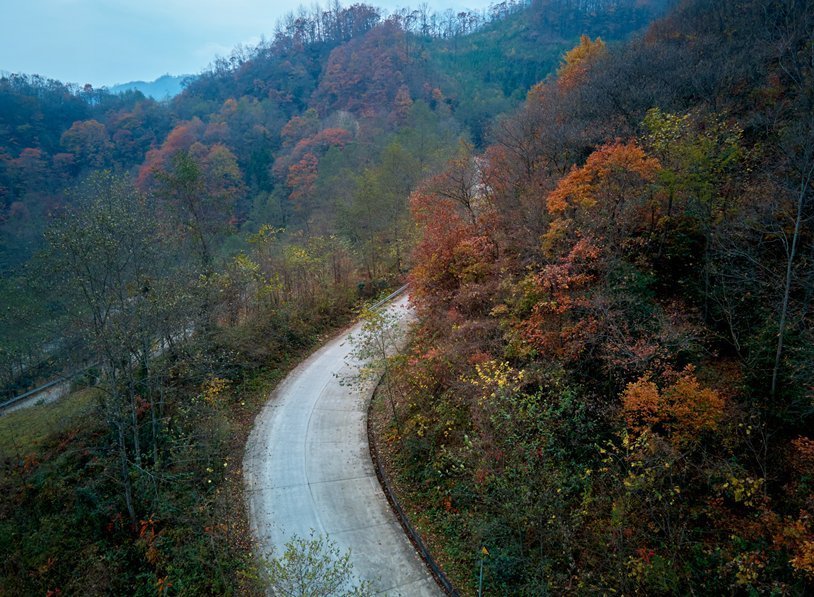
[
  {"x": 451, "y": 251},
  {"x": 611, "y": 198},
  {"x": 560, "y": 315},
  {"x": 682, "y": 410},
  {"x": 598, "y": 212}
]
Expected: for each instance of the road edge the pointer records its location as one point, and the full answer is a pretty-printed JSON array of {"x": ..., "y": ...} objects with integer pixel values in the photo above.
[
  {"x": 247, "y": 471},
  {"x": 384, "y": 482}
]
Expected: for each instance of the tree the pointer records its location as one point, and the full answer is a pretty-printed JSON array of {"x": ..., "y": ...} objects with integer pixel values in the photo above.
[
  {"x": 803, "y": 168},
  {"x": 89, "y": 141},
  {"x": 376, "y": 347},
  {"x": 461, "y": 182},
  {"x": 301, "y": 179},
  {"x": 577, "y": 61},
  {"x": 683, "y": 409},
  {"x": 796, "y": 61},
  {"x": 402, "y": 103},
  {"x": 607, "y": 198},
  {"x": 105, "y": 251},
  {"x": 200, "y": 189},
  {"x": 314, "y": 567},
  {"x": 375, "y": 221}
]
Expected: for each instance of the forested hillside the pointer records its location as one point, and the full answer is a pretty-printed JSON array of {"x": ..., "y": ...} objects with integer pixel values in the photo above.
[
  {"x": 340, "y": 94},
  {"x": 181, "y": 256},
  {"x": 611, "y": 387}
]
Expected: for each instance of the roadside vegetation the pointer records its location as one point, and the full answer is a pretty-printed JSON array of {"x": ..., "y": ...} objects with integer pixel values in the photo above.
[
  {"x": 611, "y": 387},
  {"x": 65, "y": 522}
]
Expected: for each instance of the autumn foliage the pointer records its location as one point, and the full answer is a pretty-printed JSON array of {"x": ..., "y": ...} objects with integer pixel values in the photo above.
[
  {"x": 684, "y": 410},
  {"x": 609, "y": 249},
  {"x": 603, "y": 294},
  {"x": 578, "y": 61},
  {"x": 609, "y": 197}
]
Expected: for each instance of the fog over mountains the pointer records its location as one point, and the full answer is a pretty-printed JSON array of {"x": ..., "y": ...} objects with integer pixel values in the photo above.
[{"x": 163, "y": 88}]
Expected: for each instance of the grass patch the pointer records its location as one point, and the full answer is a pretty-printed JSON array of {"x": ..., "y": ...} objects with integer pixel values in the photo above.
[{"x": 23, "y": 431}]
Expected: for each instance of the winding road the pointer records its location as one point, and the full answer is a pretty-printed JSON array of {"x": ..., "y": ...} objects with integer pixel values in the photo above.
[{"x": 307, "y": 466}]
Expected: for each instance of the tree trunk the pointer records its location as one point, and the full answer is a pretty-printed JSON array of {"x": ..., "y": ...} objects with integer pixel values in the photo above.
[
  {"x": 125, "y": 475},
  {"x": 784, "y": 306}
]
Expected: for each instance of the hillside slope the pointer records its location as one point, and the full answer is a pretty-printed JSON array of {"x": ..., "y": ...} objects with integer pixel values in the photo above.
[{"x": 611, "y": 385}]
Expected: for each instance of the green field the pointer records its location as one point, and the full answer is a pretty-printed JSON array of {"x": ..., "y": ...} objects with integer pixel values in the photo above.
[{"x": 23, "y": 430}]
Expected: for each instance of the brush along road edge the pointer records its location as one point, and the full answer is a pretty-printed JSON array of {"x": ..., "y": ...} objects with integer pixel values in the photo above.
[{"x": 307, "y": 466}]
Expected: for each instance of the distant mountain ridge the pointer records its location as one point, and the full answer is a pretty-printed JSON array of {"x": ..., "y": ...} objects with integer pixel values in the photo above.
[{"x": 163, "y": 88}]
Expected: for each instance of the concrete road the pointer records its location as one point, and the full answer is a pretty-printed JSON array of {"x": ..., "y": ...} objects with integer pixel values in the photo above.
[{"x": 307, "y": 466}]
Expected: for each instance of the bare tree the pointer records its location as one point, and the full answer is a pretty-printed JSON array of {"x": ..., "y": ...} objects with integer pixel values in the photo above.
[{"x": 797, "y": 62}]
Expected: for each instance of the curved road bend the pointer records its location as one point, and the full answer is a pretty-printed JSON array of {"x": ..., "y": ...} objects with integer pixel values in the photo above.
[{"x": 308, "y": 466}]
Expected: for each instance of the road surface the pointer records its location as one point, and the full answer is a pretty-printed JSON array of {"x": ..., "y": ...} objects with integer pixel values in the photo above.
[
  {"x": 307, "y": 466},
  {"x": 47, "y": 395}
]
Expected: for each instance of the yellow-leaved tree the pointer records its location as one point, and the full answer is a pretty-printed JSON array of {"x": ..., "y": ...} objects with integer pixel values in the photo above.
[{"x": 578, "y": 60}]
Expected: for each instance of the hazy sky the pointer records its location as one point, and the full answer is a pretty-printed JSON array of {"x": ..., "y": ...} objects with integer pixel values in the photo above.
[{"x": 104, "y": 42}]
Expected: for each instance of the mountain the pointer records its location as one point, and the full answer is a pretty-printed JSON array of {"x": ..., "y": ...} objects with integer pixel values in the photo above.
[
  {"x": 163, "y": 88},
  {"x": 606, "y": 217}
]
